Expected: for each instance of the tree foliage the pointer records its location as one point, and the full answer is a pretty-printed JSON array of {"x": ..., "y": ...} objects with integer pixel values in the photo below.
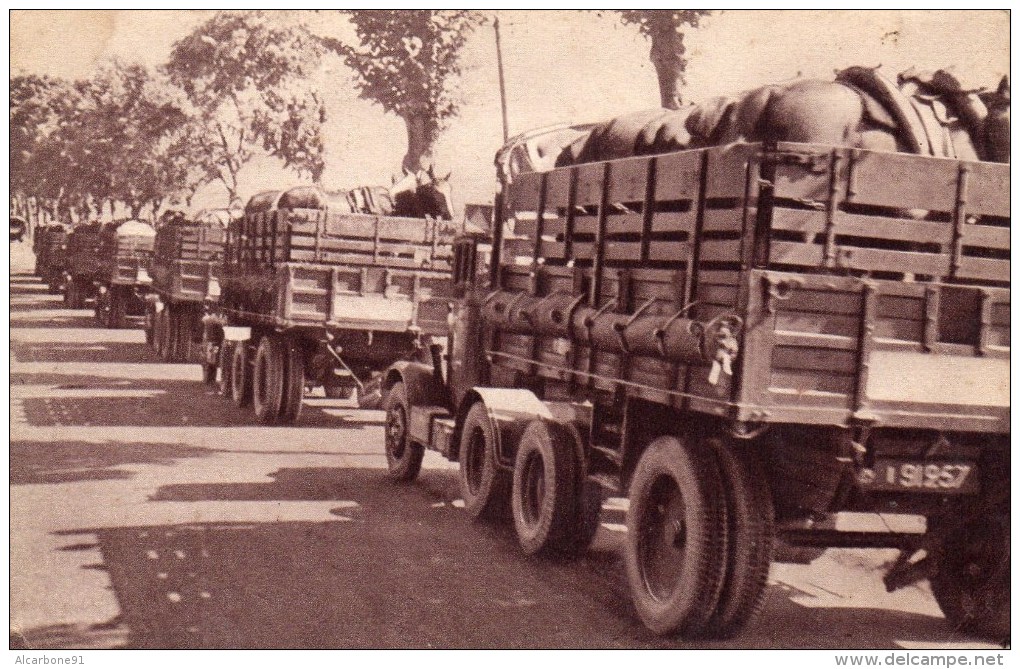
[
  {"x": 664, "y": 27},
  {"x": 245, "y": 75},
  {"x": 408, "y": 62}
]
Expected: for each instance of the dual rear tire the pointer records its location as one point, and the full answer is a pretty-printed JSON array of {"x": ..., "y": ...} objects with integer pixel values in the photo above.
[{"x": 274, "y": 381}]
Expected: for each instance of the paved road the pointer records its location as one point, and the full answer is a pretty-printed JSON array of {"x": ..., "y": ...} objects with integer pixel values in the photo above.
[{"x": 148, "y": 512}]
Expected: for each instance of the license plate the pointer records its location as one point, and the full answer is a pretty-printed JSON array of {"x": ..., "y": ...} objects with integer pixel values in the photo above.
[{"x": 940, "y": 477}]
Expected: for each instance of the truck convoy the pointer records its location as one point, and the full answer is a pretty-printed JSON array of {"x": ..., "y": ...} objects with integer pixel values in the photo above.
[
  {"x": 743, "y": 340},
  {"x": 50, "y": 248},
  {"x": 122, "y": 271},
  {"x": 312, "y": 294}
]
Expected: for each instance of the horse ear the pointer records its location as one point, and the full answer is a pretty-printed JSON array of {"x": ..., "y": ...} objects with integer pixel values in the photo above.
[{"x": 447, "y": 177}]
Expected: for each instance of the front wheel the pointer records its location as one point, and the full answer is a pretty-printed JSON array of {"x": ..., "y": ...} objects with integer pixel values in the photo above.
[
  {"x": 402, "y": 457},
  {"x": 293, "y": 381},
  {"x": 240, "y": 375},
  {"x": 226, "y": 367},
  {"x": 676, "y": 536},
  {"x": 972, "y": 584}
]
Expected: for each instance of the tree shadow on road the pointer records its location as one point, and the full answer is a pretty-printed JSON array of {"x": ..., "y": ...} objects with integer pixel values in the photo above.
[
  {"x": 34, "y": 462},
  {"x": 147, "y": 402},
  {"x": 92, "y": 351},
  {"x": 405, "y": 568}
]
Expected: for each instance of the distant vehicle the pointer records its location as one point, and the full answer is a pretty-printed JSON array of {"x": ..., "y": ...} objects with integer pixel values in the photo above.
[{"x": 18, "y": 228}]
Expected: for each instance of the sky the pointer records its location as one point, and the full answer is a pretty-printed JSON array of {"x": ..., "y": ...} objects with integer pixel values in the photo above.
[{"x": 561, "y": 66}]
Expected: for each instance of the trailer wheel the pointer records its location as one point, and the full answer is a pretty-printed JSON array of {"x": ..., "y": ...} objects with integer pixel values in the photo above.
[
  {"x": 72, "y": 294},
  {"x": 267, "y": 379},
  {"x": 543, "y": 492},
  {"x": 150, "y": 324},
  {"x": 676, "y": 536},
  {"x": 293, "y": 381},
  {"x": 100, "y": 310},
  {"x": 587, "y": 519},
  {"x": 182, "y": 335},
  {"x": 972, "y": 584},
  {"x": 402, "y": 457},
  {"x": 751, "y": 541},
  {"x": 240, "y": 376},
  {"x": 483, "y": 485},
  {"x": 117, "y": 309},
  {"x": 225, "y": 365}
]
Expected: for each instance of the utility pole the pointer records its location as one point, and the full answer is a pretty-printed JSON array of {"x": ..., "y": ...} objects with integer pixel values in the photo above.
[{"x": 502, "y": 81}]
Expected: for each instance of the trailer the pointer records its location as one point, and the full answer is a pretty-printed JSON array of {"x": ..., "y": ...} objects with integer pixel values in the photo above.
[
  {"x": 83, "y": 270},
  {"x": 50, "y": 248},
  {"x": 314, "y": 296},
  {"x": 187, "y": 258},
  {"x": 745, "y": 341},
  {"x": 122, "y": 270}
]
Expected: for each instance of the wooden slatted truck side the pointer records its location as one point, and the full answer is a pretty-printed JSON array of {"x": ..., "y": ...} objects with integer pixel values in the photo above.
[
  {"x": 186, "y": 268},
  {"x": 743, "y": 340},
  {"x": 314, "y": 297},
  {"x": 83, "y": 270},
  {"x": 122, "y": 271}
]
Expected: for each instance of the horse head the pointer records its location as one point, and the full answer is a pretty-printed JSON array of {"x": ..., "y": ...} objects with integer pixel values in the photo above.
[{"x": 435, "y": 195}]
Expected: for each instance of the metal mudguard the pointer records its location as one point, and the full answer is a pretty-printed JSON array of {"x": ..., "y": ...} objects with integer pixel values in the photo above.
[{"x": 509, "y": 410}]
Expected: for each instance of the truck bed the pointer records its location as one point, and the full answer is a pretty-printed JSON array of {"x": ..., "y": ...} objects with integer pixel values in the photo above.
[{"x": 872, "y": 287}]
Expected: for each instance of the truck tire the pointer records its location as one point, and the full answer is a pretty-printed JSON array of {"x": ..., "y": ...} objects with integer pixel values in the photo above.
[
  {"x": 676, "y": 536},
  {"x": 240, "y": 376},
  {"x": 169, "y": 353},
  {"x": 543, "y": 497},
  {"x": 587, "y": 519},
  {"x": 101, "y": 309},
  {"x": 118, "y": 309},
  {"x": 71, "y": 299},
  {"x": 267, "y": 379},
  {"x": 182, "y": 332},
  {"x": 150, "y": 324},
  {"x": 972, "y": 584},
  {"x": 293, "y": 381},
  {"x": 751, "y": 541},
  {"x": 225, "y": 365},
  {"x": 403, "y": 458},
  {"x": 484, "y": 487}
]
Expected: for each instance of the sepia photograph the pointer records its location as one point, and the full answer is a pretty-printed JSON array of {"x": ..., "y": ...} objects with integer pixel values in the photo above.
[{"x": 487, "y": 329}]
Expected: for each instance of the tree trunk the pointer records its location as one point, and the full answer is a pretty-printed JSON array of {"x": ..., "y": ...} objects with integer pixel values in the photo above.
[
  {"x": 667, "y": 56},
  {"x": 420, "y": 143}
]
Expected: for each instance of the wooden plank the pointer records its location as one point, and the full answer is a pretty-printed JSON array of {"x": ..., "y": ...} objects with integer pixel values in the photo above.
[
  {"x": 585, "y": 225},
  {"x": 720, "y": 250},
  {"x": 986, "y": 236},
  {"x": 879, "y": 227},
  {"x": 589, "y": 184},
  {"x": 724, "y": 219},
  {"x": 830, "y": 324},
  {"x": 904, "y": 181},
  {"x": 984, "y": 269},
  {"x": 721, "y": 295},
  {"x": 623, "y": 223},
  {"x": 670, "y": 221},
  {"x": 629, "y": 180},
  {"x": 806, "y": 381},
  {"x": 678, "y": 175},
  {"x": 891, "y": 306},
  {"x": 678, "y": 252},
  {"x": 719, "y": 277},
  {"x": 855, "y": 257},
  {"x": 988, "y": 189},
  {"x": 900, "y": 329},
  {"x": 727, "y": 170},
  {"x": 616, "y": 251},
  {"x": 794, "y": 253},
  {"x": 524, "y": 191},
  {"x": 557, "y": 188},
  {"x": 553, "y": 249}
]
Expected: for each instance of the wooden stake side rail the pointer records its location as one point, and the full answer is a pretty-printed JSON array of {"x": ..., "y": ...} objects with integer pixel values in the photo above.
[
  {"x": 350, "y": 297},
  {"x": 185, "y": 280},
  {"x": 269, "y": 238},
  {"x": 862, "y": 279}
]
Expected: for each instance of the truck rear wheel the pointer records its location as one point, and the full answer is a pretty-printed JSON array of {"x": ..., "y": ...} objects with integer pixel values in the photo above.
[
  {"x": 543, "y": 492},
  {"x": 751, "y": 540},
  {"x": 182, "y": 335},
  {"x": 150, "y": 324},
  {"x": 484, "y": 487},
  {"x": 117, "y": 318},
  {"x": 267, "y": 379},
  {"x": 972, "y": 584},
  {"x": 676, "y": 536},
  {"x": 293, "y": 381},
  {"x": 240, "y": 375},
  {"x": 225, "y": 364},
  {"x": 403, "y": 458}
]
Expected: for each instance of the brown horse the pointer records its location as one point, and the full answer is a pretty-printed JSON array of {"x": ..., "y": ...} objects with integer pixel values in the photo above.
[{"x": 929, "y": 114}]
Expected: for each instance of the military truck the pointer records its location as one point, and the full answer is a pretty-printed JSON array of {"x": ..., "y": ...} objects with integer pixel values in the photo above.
[
  {"x": 743, "y": 341},
  {"x": 122, "y": 271},
  {"x": 186, "y": 264},
  {"x": 313, "y": 295},
  {"x": 83, "y": 270},
  {"x": 50, "y": 248}
]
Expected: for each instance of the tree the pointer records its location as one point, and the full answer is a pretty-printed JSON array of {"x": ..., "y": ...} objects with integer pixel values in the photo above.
[
  {"x": 246, "y": 78},
  {"x": 664, "y": 27},
  {"x": 408, "y": 62}
]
